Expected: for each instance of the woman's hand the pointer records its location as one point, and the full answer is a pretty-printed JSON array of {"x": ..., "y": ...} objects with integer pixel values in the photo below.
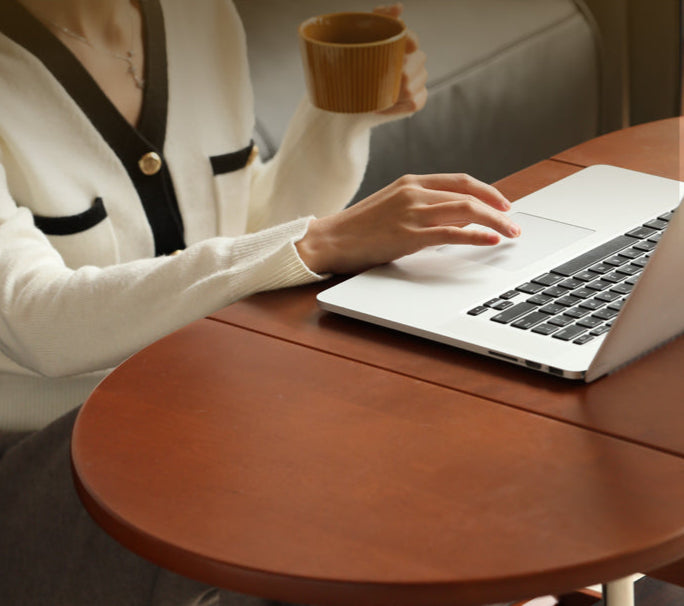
[
  {"x": 412, "y": 94},
  {"x": 413, "y": 212}
]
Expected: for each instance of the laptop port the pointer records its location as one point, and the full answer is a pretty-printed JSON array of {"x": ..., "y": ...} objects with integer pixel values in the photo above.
[
  {"x": 503, "y": 356},
  {"x": 531, "y": 364}
]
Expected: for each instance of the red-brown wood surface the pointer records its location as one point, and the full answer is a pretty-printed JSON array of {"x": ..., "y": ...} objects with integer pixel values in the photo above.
[
  {"x": 614, "y": 405},
  {"x": 286, "y": 452},
  {"x": 271, "y": 468},
  {"x": 654, "y": 148},
  {"x": 641, "y": 403}
]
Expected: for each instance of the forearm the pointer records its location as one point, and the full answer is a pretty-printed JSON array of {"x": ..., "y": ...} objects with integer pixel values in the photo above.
[
  {"x": 56, "y": 321},
  {"x": 317, "y": 169}
]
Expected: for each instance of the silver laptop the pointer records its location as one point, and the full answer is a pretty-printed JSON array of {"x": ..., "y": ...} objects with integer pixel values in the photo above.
[{"x": 595, "y": 280}]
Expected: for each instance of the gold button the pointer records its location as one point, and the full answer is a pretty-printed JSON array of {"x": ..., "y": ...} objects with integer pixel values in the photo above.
[
  {"x": 150, "y": 163},
  {"x": 253, "y": 155}
]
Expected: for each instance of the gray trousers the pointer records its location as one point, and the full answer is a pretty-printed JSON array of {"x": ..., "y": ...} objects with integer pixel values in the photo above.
[{"x": 53, "y": 554}]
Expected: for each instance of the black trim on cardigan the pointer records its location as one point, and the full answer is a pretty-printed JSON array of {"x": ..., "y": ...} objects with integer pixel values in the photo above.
[
  {"x": 228, "y": 163},
  {"x": 72, "y": 224},
  {"x": 156, "y": 191}
]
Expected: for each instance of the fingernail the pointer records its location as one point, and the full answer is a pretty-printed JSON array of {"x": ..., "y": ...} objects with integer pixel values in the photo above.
[{"x": 515, "y": 230}]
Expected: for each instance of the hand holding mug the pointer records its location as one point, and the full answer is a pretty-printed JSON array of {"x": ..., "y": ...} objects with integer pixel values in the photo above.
[{"x": 413, "y": 92}]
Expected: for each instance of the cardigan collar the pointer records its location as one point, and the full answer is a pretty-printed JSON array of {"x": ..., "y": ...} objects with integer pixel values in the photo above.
[
  {"x": 131, "y": 145},
  {"x": 20, "y": 25}
]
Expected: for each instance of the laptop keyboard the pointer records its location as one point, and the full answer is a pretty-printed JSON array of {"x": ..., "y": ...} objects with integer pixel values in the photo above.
[{"x": 579, "y": 300}]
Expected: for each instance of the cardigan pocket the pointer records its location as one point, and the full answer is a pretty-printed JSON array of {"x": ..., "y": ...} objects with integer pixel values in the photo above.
[
  {"x": 86, "y": 238},
  {"x": 231, "y": 189},
  {"x": 72, "y": 224},
  {"x": 230, "y": 162}
]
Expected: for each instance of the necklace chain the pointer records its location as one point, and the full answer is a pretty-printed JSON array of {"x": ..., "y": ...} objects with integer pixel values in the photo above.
[{"x": 126, "y": 57}]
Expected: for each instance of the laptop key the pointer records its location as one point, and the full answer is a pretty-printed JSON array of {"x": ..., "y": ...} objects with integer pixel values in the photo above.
[
  {"x": 552, "y": 309},
  {"x": 646, "y": 245},
  {"x": 615, "y": 260},
  {"x": 593, "y": 304},
  {"x": 514, "y": 312},
  {"x": 555, "y": 291},
  {"x": 608, "y": 296},
  {"x": 545, "y": 329},
  {"x": 569, "y": 332},
  {"x": 629, "y": 270},
  {"x": 571, "y": 283},
  {"x": 600, "y": 330},
  {"x": 631, "y": 253},
  {"x": 577, "y": 312},
  {"x": 586, "y": 275},
  {"x": 547, "y": 279},
  {"x": 530, "y": 320},
  {"x": 605, "y": 314},
  {"x": 593, "y": 256},
  {"x": 656, "y": 224},
  {"x": 584, "y": 339},
  {"x": 590, "y": 322},
  {"x": 641, "y": 232},
  {"x": 641, "y": 261},
  {"x": 599, "y": 285},
  {"x": 568, "y": 300},
  {"x": 617, "y": 305},
  {"x": 530, "y": 288},
  {"x": 509, "y": 294},
  {"x": 583, "y": 293},
  {"x": 561, "y": 320},
  {"x": 623, "y": 289},
  {"x": 540, "y": 299},
  {"x": 476, "y": 311}
]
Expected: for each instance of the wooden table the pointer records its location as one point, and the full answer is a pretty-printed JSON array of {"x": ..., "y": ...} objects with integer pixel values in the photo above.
[{"x": 279, "y": 450}]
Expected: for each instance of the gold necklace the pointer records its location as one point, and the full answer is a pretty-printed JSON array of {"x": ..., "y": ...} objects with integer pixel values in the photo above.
[{"x": 126, "y": 57}]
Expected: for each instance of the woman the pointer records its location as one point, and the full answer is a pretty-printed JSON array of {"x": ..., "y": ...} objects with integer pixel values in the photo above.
[{"x": 131, "y": 204}]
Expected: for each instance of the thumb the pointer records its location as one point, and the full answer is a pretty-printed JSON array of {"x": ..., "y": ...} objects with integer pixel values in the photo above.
[{"x": 390, "y": 10}]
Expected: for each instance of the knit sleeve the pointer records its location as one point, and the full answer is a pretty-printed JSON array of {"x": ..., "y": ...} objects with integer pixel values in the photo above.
[
  {"x": 57, "y": 321},
  {"x": 318, "y": 167}
]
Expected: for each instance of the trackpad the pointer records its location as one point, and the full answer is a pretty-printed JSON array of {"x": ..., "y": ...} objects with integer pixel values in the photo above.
[{"x": 540, "y": 237}]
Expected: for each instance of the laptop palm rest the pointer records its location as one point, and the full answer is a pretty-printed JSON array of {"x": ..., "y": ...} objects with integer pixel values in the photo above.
[{"x": 540, "y": 237}]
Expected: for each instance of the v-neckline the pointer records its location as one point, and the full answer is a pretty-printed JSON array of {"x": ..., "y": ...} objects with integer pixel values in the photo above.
[
  {"x": 130, "y": 144},
  {"x": 21, "y": 26}
]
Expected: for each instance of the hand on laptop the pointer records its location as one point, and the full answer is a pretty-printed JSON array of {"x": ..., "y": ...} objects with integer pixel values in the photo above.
[{"x": 412, "y": 213}]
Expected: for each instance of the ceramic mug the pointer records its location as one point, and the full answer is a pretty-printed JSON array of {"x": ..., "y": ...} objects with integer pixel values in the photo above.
[{"x": 353, "y": 62}]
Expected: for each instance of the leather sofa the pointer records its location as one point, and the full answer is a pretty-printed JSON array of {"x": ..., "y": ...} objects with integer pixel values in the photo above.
[{"x": 510, "y": 81}]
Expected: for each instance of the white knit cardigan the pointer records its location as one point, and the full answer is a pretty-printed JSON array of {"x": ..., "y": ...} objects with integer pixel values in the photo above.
[{"x": 74, "y": 305}]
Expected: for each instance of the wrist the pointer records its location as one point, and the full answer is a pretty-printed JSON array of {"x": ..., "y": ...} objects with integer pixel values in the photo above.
[{"x": 311, "y": 248}]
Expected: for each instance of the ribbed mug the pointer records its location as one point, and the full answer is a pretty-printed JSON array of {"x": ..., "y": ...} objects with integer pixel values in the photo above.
[{"x": 353, "y": 61}]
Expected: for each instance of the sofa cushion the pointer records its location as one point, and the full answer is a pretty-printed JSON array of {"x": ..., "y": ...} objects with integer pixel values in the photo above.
[{"x": 510, "y": 82}]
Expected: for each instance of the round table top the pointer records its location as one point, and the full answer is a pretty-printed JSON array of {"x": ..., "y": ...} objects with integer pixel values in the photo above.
[{"x": 272, "y": 468}]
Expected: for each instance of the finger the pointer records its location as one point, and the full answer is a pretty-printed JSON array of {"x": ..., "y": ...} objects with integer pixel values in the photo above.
[
  {"x": 391, "y": 10},
  {"x": 462, "y": 183},
  {"x": 413, "y": 93},
  {"x": 456, "y": 235},
  {"x": 415, "y": 75},
  {"x": 470, "y": 210},
  {"x": 407, "y": 105},
  {"x": 412, "y": 44}
]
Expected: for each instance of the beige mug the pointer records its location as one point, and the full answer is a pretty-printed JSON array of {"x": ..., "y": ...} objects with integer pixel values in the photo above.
[{"x": 353, "y": 62}]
